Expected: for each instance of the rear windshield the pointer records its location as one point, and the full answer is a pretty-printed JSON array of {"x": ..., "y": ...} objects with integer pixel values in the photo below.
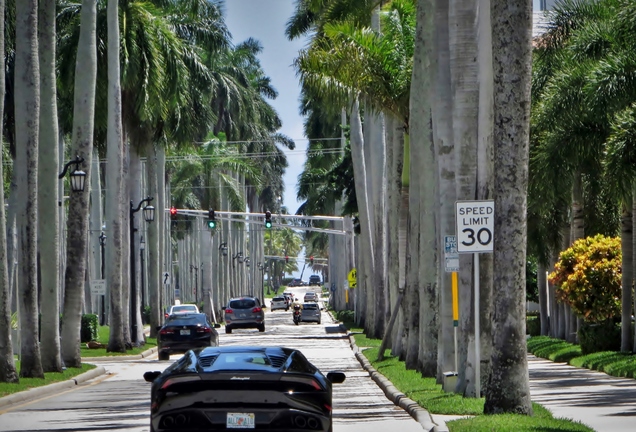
[
  {"x": 242, "y": 304},
  {"x": 184, "y": 308},
  {"x": 278, "y": 299},
  {"x": 310, "y": 306},
  {"x": 178, "y": 320}
]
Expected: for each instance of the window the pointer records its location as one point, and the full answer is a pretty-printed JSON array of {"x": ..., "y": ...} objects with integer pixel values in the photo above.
[{"x": 242, "y": 304}]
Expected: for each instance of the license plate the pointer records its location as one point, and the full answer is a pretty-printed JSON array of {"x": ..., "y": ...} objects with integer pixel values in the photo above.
[
  {"x": 185, "y": 332},
  {"x": 242, "y": 315},
  {"x": 240, "y": 421}
]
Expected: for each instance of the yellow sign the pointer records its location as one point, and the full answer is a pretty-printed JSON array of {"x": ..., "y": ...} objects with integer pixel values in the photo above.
[{"x": 352, "y": 277}]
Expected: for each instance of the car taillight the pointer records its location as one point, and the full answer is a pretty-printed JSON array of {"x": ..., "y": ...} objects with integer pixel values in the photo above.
[
  {"x": 228, "y": 310},
  {"x": 204, "y": 330},
  {"x": 167, "y": 331},
  {"x": 310, "y": 381},
  {"x": 179, "y": 380},
  {"x": 256, "y": 309}
]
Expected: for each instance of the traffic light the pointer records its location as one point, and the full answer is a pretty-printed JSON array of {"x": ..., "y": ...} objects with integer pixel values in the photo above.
[
  {"x": 211, "y": 219},
  {"x": 268, "y": 219},
  {"x": 173, "y": 213},
  {"x": 286, "y": 259},
  {"x": 311, "y": 260}
]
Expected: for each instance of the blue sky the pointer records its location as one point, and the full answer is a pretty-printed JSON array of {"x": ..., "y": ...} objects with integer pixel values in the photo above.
[{"x": 265, "y": 21}]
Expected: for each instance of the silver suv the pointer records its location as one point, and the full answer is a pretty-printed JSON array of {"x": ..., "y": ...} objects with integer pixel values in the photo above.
[{"x": 244, "y": 312}]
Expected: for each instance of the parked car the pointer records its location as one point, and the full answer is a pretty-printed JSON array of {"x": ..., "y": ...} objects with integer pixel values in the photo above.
[
  {"x": 185, "y": 331},
  {"x": 244, "y": 312},
  {"x": 314, "y": 280},
  {"x": 278, "y": 303},
  {"x": 242, "y": 387},
  {"x": 180, "y": 309},
  {"x": 310, "y": 297},
  {"x": 310, "y": 313}
]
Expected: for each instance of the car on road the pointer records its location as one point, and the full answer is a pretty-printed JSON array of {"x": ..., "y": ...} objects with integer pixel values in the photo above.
[
  {"x": 310, "y": 313},
  {"x": 181, "y": 309},
  {"x": 314, "y": 280},
  {"x": 242, "y": 387},
  {"x": 289, "y": 298},
  {"x": 295, "y": 283},
  {"x": 244, "y": 312},
  {"x": 310, "y": 297},
  {"x": 278, "y": 303},
  {"x": 186, "y": 331}
]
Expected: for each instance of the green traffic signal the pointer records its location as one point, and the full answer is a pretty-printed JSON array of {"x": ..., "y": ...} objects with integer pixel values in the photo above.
[
  {"x": 268, "y": 224},
  {"x": 211, "y": 224}
]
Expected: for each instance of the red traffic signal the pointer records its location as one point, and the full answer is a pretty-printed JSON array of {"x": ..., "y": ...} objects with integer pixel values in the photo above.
[
  {"x": 286, "y": 259},
  {"x": 311, "y": 260},
  {"x": 173, "y": 213}
]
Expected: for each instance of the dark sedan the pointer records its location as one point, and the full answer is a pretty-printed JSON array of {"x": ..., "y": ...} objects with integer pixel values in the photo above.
[
  {"x": 237, "y": 387},
  {"x": 184, "y": 332}
]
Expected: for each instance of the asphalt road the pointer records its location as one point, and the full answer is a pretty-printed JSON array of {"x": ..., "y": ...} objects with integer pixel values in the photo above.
[{"x": 119, "y": 401}]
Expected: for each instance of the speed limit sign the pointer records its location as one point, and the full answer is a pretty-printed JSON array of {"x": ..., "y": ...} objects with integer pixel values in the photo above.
[{"x": 475, "y": 226}]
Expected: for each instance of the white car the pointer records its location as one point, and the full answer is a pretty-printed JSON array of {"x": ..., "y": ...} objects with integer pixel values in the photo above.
[
  {"x": 182, "y": 309},
  {"x": 278, "y": 303}
]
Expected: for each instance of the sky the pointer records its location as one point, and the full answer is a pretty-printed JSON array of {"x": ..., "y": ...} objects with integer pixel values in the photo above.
[{"x": 265, "y": 21}]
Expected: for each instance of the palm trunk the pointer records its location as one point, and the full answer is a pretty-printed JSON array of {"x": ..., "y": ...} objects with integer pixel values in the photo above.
[
  {"x": 543, "y": 300},
  {"x": 508, "y": 390},
  {"x": 48, "y": 218},
  {"x": 627, "y": 244},
  {"x": 8, "y": 372},
  {"x": 152, "y": 241},
  {"x": 77, "y": 221},
  {"x": 423, "y": 162},
  {"x": 114, "y": 187},
  {"x": 444, "y": 149},
  {"x": 27, "y": 114}
]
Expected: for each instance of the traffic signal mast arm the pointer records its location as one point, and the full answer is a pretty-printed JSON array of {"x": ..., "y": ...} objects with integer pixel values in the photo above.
[{"x": 228, "y": 215}]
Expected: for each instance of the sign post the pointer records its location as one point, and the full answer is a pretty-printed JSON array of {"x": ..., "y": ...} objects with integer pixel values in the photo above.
[
  {"x": 451, "y": 265},
  {"x": 475, "y": 222},
  {"x": 98, "y": 287}
]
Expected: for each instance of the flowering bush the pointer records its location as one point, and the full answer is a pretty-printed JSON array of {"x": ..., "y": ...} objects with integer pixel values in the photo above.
[{"x": 588, "y": 278}]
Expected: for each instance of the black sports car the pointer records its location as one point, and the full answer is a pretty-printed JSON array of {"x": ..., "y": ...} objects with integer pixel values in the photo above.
[
  {"x": 240, "y": 387},
  {"x": 183, "y": 332}
]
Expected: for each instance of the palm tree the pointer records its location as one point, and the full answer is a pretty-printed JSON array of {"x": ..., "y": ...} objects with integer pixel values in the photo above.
[
  {"x": 27, "y": 98},
  {"x": 508, "y": 389},
  {"x": 77, "y": 222},
  {"x": 48, "y": 217},
  {"x": 8, "y": 372}
]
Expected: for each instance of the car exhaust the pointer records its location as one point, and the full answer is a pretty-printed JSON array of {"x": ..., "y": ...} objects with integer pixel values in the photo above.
[
  {"x": 312, "y": 423},
  {"x": 300, "y": 421},
  {"x": 180, "y": 420},
  {"x": 168, "y": 421}
]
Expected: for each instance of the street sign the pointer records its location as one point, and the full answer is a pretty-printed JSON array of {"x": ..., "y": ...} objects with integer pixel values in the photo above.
[
  {"x": 451, "y": 257},
  {"x": 98, "y": 287},
  {"x": 475, "y": 226},
  {"x": 352, "y": 277}
]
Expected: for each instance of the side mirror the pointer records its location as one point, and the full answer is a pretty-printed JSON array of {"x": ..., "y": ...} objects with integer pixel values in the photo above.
[
  {"x": 263, "y": 307},
  {"x": 158, "y": 328},
  {"x": 336, "y": 377},
  {"x": 223, "y": 308},
  {"x": 217, "y": 325},
  {"x": 151, "y": 376}
]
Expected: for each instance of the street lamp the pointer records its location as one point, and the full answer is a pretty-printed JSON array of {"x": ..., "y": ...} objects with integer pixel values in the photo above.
[
  {"x": 223, "y": 249},
  {"x": 239, "y": 256},
  {"x": 102, "y": 243},
  {"x": 78, "y": 177},
  {"x": 142, "y": 248},
  {"x": 247, "y": 261},
  {"x": 149, "y": 216}
]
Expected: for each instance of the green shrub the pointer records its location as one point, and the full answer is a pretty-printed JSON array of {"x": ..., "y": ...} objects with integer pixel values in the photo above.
[
  {"x": 90, "y": 325},
  {"x": 599, "y": 337},
  {"x": 345, "y": 316},
  {"x": 145, "y": 315},
  {"x": 533, "y": 325}
]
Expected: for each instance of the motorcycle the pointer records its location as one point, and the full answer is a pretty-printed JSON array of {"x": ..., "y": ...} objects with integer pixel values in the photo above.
[{"x": 296, "y": 315}]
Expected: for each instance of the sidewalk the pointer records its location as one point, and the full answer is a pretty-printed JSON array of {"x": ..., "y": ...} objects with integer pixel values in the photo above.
[{"x": 602, "y": 402}]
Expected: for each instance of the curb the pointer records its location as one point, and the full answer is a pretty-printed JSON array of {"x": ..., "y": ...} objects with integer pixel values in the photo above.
[
  {"x": 144, "y": 354},
  {"x": 422, "y": 416},
  {"x": 38, "y": 392}
]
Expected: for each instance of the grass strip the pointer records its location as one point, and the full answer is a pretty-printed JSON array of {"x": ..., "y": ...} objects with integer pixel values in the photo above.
[
  {"x": 613, "y": 363},
  {"x": 49, "y": 378},
  {"x": 103, "y": 336},
  {"x": 430, "y": 396}
]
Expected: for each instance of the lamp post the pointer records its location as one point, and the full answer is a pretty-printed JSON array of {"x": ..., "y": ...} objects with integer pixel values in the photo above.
[
  {"x": 239, "y": 256},
  {"x": 149, "y": 216},
  {"x": 223, "y": 249},
  {"x": 142, "y": 248},
  {"x": 102, "y": 243},
  {"x": 196, "y": 283}
]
